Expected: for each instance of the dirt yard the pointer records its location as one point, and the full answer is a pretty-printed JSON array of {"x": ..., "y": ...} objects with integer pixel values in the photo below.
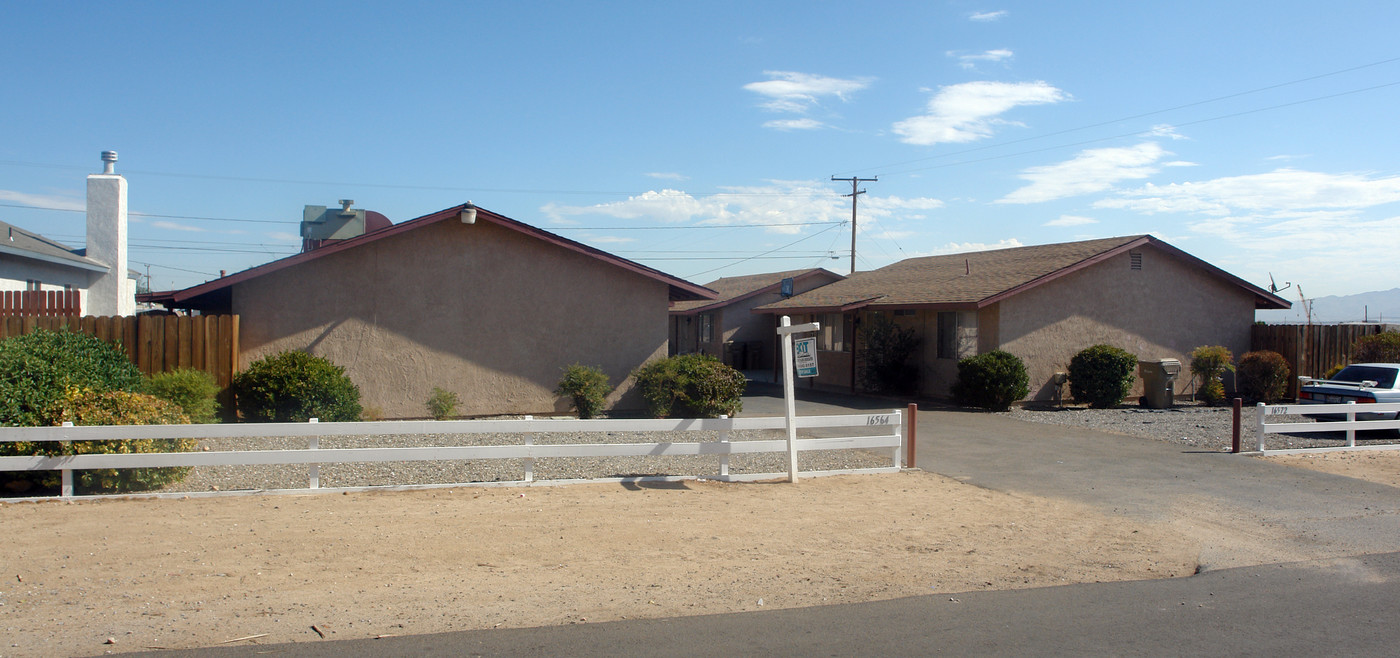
[
  {"x": 1379, "y": 466},
  {"x": 124, "y": 575}
]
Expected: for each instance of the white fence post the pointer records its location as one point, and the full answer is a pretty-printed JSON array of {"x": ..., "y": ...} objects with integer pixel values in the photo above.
[
  {"x": 530, "y": 461},
  {"x": 313, "y": 472},
  {"x": 898, "y": 451},
  {"x": 1259, "y": 425},
  {"x": 65, "y": 488},
  {"x": 1351, "y": 417},
  {"x": 724, "y": 456}
]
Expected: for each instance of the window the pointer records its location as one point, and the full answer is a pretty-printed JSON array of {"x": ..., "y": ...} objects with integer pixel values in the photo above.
[
  {"x": 707, "y": 327},
  {"x": 947, "y": 335},
  {"x": 832, "y": 337}
]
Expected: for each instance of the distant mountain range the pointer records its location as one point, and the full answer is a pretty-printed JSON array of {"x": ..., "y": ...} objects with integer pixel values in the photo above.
[{"x": 1379, "y": 306}]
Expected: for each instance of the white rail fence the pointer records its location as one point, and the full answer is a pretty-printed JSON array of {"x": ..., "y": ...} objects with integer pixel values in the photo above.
[
  {"x": 1350, "y": 425},
  {"x": 890, "y": 429}
]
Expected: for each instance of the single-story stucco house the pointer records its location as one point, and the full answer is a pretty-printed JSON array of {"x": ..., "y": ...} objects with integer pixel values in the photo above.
[
  {"x": 463, "y": 299},
  {"x": 727, "y": 327},
  {"x": 1041, "y": 303}
]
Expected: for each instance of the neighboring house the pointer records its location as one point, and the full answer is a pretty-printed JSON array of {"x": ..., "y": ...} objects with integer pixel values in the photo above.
[
  {"x": 708, "y": 326},
  {"x": 1043, "y": 304},
  {"x": 98, "y": 274},
  {"x": 463, "y": 299},
  {"x": 32, "y": 262}
]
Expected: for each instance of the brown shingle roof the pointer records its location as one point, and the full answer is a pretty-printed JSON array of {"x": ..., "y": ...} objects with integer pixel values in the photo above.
[
  {"x": 977, "y": 279},
  {"x": 734, "y": 288}
]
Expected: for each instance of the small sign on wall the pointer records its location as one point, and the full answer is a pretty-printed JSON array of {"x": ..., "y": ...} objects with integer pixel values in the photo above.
[{"x": 805, "y": 352}]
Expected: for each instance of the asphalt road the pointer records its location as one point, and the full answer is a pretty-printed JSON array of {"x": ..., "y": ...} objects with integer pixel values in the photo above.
[{"x": 1344, "y": 599}]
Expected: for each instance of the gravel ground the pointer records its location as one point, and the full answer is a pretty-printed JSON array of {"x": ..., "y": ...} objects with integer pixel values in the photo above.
[
  {"x": 295, "y": 476},
  {"x": 1195, "y": 426}
]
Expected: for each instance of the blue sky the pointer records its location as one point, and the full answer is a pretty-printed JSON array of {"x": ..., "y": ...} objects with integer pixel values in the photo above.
[{"x": 1258, "y": 136}]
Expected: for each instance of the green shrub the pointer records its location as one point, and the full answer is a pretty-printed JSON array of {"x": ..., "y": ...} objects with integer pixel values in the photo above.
[
  {"x": 193, "y": 390},
  {"x": 888, "y": 357},
  {"x": 690, "y": 386},
  {"x": 1209, "y": 363},
  {"x": 991, "y": 381},
  {"x": 1262, "y": 376},
  {"x": 587, "y": 386},
  {"x": 294, "y": 386},
  {"x": 1102, "y": 375},
  {"x": 36, "y": 370},
  {"x": 442, "y": 404},
  {"x": 85, "y": 406},
  {"x": 1377, "y": 348}
]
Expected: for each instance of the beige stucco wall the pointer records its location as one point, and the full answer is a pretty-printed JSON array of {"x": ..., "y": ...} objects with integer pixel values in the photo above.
[
  {"x": 1164, "y": 310},
  {"x": 483, "y": 311}
]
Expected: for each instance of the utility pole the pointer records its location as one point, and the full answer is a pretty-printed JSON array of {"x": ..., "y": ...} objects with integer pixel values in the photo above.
[{"x": 855, "y": 192}]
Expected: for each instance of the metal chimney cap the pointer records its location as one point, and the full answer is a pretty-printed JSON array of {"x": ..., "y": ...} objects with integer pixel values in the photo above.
[{"x": 109, "y": 159}]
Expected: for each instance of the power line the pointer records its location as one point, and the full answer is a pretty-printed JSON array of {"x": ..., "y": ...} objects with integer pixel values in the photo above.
[{"x": 742, "y": 260}]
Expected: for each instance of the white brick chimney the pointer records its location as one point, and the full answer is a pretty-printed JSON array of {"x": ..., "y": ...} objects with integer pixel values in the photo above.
[{"x": 112, "y": 293}]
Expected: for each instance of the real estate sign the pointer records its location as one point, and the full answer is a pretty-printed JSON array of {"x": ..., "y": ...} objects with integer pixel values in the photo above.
[{"x": 805, "y": 353}]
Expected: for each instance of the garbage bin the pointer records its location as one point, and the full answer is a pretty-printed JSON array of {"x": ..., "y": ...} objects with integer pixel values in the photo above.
[{"x": 1158, "y": 382}]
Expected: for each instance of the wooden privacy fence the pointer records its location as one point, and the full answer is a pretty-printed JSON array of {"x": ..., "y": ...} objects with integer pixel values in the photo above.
[
  {"x": 47, "y": 303},
  {"x": 884, "y": 432},
  {"x": 155, "y": 343},
  {"x": 1311, "y": 350}
]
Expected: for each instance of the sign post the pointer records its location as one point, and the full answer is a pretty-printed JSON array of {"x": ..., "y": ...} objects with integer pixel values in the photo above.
[{"x": 786, "y": 330}]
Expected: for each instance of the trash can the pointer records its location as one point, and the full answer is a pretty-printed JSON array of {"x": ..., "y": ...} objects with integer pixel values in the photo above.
[{"x": 1158, "y": 382}]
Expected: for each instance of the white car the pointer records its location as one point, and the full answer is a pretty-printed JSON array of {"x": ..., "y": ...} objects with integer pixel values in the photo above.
[{"x": 1362, "y": 383}]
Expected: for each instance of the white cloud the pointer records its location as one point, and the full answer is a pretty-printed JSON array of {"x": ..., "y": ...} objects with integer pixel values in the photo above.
[
  {"x": 1071, "y": 220},
  {"x": 779, "y": 203},
  {"x": 1165, "y": 130},
  {"x": 794, "y": 124},
  {"x": 666, "y": 175},
  {"x": 789, "y": 91},
  {"x": 176, "y": 226},
  {"x": 988, "y": 16},
  {"x": 968, "y": 111},
  {"x": 606, "y": 239},
  {"x": 280, "y": 236},
  {"x": 1093, "y": 170},
  {"x": 992, "y": 56},
  {"x": 967, "y": 247},
  {"x": 43, "y": 201},
  {"x": 1274, "y": 192}
]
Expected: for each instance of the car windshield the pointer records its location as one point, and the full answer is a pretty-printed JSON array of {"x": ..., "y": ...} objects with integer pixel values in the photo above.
[{"x": 1384, "y": 377}]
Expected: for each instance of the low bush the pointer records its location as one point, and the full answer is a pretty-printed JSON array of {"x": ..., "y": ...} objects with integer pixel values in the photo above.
[
  {"x": 84, "y": 406},
  {"x": 690, "y": 386},
  {"x": 195, "y": 391},
  {"x": 442, "y": 404},
  {"x": 1101, "y": 375},
  {"x": 1377, "y": 348},
  {"x": 294, "y": 386},
  {"x": 36, "y": 370},
  {"x": 587, "y": 386},
  {"x": 991, "y": 381},
  {"x": 1209, "y": 363},
  {"x": 888, "y": 365},
  {"x": 1262, "y": 376}
]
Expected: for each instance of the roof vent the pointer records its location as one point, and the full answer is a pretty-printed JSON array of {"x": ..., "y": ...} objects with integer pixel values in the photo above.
[
  {"x": 1135, "y": 260},
  {"x": 109, "y": 162}
]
